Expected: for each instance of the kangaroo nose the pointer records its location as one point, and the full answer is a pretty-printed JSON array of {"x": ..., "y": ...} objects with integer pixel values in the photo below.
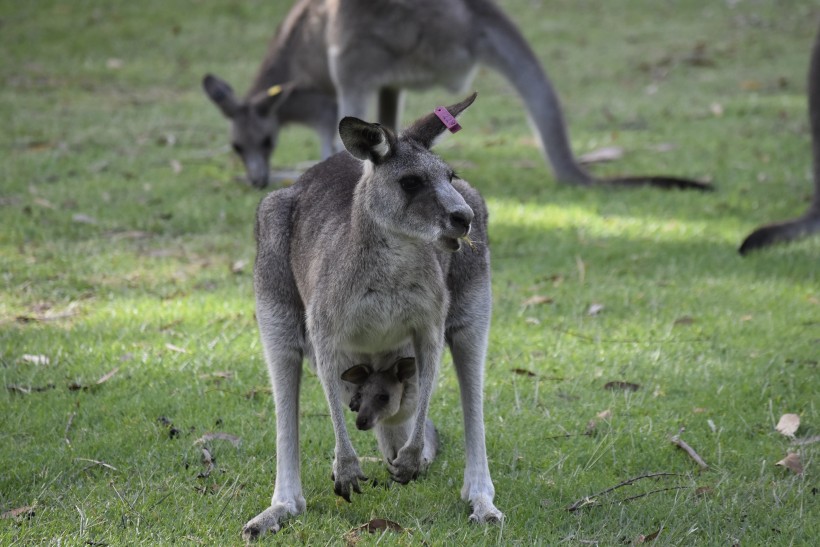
[{"x": 461, "y": 219}]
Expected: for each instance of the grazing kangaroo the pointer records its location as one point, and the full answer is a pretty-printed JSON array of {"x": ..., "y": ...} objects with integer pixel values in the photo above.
[
  {"x": 809, "y": 223},
  {"x": 359, "y": 260},
  {"x": 331, "y": 59}
]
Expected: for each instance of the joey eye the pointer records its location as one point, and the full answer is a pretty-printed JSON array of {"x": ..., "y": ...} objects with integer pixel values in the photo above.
[
  {"x": 237, "y": 148},
  {"x": 382, "y": 398},
  {"x": 411, "y": 184},
  {"x": 267, "y": 143}
]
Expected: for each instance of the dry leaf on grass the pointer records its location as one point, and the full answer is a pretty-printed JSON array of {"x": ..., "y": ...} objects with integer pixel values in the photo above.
[
  {"x": 375, "y": 526},
  {"x": 536, "y": 300},
  {"x": 81, "y": 218},
  {"x": 593, "y": 423},
  {"x": 788, "y": 425},
  {"x": 27, "y": 511},
  {"x": 601, "y": 155},
  {"x": 792, "y": 462},
  {"x": 233, "y": 439},
  {"x": 105, "y": 377},
  {"x": 35, "y": 359},
  {"x": 684, "y": 320},
  {"x": 238, "y": 266},
  {"x": 176, "y": 348},
  {"x": 595, "y": 309},
  {"x": 523, "y": 372}
]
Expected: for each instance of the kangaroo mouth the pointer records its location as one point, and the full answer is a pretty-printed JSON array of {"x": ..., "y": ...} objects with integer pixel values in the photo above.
[{"x": 449, "y": 244}]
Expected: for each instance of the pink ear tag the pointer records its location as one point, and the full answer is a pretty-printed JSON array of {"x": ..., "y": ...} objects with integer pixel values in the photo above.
[{"x": 447, "y": 119}]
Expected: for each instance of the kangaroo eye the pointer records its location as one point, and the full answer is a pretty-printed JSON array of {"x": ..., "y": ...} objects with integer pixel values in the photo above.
[
  {"x": 267, "y": 143},
  {"x": 411, "y": 184},
  {"x": 453, "y": 175},
  {"x": 237, "y": 148},
  {"x": 382, "y": 398}
]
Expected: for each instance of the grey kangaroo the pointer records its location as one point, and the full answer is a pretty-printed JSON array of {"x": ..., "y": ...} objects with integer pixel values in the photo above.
[
  {"x": 331, "y": 58},
  {"x": 809, "y": 223},
  {"x": 358, "y": 261}
]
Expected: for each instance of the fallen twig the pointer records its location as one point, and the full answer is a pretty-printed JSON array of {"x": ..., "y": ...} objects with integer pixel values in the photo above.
[
  {"x": 630, "y": 498},
  {"x": 590, "y": 500},
  {"x": 568, "y": 435},
  {"x": 680, "y": 443},
  {"x": 96, "y": 462},
  {"x": 806, "y": 440}
]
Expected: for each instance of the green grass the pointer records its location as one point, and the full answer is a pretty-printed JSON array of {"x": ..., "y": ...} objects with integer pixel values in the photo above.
[{"x": 101, "y": 101}]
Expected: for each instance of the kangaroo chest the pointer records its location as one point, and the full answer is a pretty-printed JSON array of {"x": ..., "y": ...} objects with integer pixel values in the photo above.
[{"x": 387, "y": 303}]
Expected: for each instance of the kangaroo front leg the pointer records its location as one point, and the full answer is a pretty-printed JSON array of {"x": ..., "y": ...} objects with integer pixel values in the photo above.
[
  {"x": 468, "y": 346},
  {"x": 346, "y": 469},
  {"x": 409, "y": 460}
]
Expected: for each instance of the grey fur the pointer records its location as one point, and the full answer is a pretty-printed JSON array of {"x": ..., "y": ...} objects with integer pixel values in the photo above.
[
  {"x": 360, "y": 262},
  {"x": 351, "y": 53}
]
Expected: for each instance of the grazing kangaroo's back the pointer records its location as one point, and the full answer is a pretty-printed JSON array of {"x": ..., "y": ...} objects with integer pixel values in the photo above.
[
  {"x": 809, "y": 223},
  {"x": 332, "y": 58},
  {"x": 362, "y": 261}
]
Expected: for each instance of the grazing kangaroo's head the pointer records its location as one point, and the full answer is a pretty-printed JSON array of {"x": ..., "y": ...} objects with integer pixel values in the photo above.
[
  {"x": 254, "y": 124},
  {"x": 406, "y": 189},
  {"x": 379, "y": 394}
]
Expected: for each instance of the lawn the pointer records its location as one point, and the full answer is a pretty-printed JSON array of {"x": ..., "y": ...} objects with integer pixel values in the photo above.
[{"x": 621, "y": 317}]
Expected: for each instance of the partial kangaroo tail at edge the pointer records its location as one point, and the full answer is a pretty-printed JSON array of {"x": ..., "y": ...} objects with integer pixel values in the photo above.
[
  {"x": 504, "y": 49},
  {"x": 809, "y": 223}
]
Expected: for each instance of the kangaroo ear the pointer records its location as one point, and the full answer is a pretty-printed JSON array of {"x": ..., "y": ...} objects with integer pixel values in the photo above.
[
  {"x": 221, "y": 94},
  {"x": 357, "y": 374},
  {"x": 270, "y": 99},
  {"x": 405, "y": 368},
  {"x": 425, "y": 130},
  {"x": 367, "y": 141}
]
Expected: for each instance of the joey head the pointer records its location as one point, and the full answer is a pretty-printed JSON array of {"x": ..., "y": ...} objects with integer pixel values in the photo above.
[{"x": 381, "y": 394}]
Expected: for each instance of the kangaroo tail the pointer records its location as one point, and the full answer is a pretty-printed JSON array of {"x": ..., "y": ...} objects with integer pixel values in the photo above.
[{"x": 504, "y": 49}]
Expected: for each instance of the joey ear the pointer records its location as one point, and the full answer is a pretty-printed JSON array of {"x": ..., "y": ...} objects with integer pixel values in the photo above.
[
  {"x": 425, "y": 130},
  {"x": 221, "y": 94},
  {"x": 405, "y": 368},
  {"x": 271, "y": 98},
  {"x": 367, "y": 141},
  {"x": 357, "y": 374}
]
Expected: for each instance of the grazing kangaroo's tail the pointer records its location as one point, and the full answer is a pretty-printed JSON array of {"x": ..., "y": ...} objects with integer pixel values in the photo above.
[
  {"x": 504, "y": 49},
  {"x": 810, "y": 222}
]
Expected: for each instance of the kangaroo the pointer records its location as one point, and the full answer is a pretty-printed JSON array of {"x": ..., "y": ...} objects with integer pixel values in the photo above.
[
  {"x": 331, "y": 59},
  {"x": 362, "y": 259},
  {"x": 382, "y": 395},
  {"x": 385, "y": 398},
  {"x": 809, "y": 223}
]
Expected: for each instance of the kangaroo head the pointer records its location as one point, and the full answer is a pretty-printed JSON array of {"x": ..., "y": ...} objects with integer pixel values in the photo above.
[
  {"x": 254, "y": 124},
  {"x": 379, "y": 394},
  {"x": 405, "y": 188}
]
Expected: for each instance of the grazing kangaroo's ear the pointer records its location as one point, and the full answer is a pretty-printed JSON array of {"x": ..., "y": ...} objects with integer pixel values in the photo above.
[
  {"x": 405, "y": 368},
  {"x": 357, "y": 374},
  {"x": 425, "y": 130},
  {"x": 266, "y": 101},
  {"x": 367, "y": 141},
  {"x": 221, "y": 94}
]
